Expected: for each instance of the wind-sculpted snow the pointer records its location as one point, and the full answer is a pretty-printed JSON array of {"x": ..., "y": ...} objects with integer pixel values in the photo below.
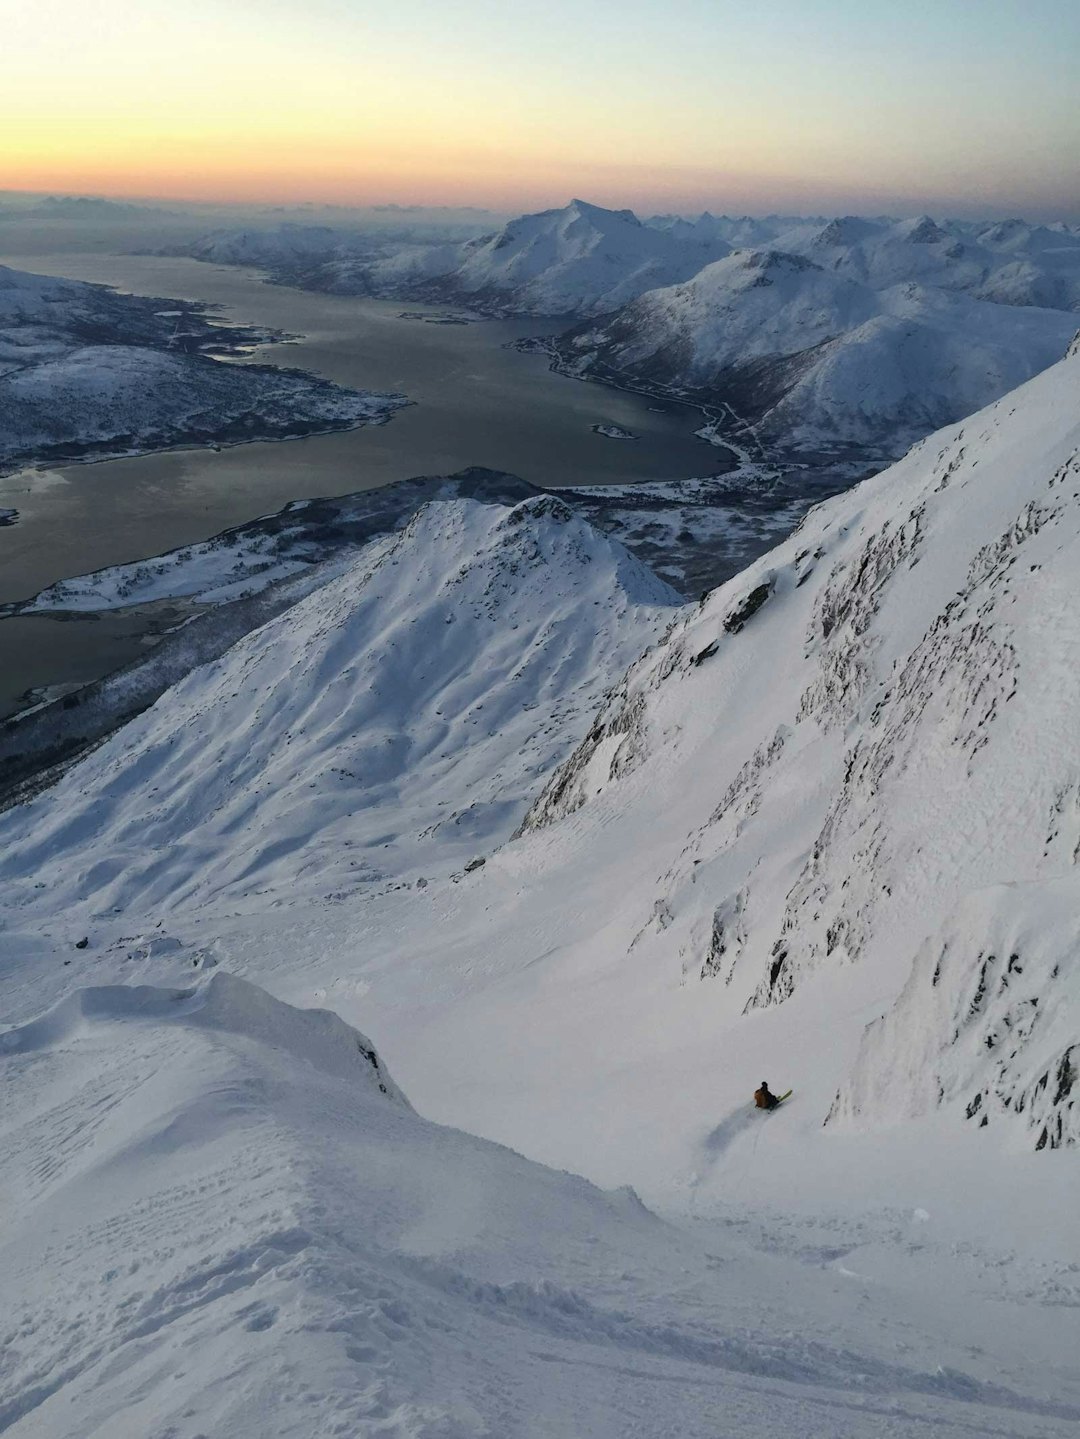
[
  {"x": 222, "y": 1217},
  {"x": 86, "y": 372},
  {"x": 399, "y": 717}
]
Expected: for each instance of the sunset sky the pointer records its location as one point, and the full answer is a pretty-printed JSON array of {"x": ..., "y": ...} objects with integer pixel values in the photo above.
[{"x": 962, "y": 106}]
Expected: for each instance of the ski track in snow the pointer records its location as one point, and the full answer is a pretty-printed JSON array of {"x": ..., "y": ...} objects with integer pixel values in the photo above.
[{"x": 247, "y": 1230}]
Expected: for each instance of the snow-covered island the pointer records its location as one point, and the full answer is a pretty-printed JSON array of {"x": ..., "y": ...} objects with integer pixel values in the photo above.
[
  {"x": 86, "y": 372},
  {"x": 612, "y": 432}
]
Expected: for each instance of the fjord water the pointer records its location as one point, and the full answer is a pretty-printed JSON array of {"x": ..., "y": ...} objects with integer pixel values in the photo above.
[{"x": 476, "y": 403}]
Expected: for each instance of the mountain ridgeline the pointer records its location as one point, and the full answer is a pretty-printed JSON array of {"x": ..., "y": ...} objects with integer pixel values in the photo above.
[{"x": 820, "y": 336}]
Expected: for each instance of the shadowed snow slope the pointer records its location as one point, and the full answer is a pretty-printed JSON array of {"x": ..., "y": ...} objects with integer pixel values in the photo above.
[
  {"x": 222, "y": 1218},
  {"x": 393, "y": 724}
]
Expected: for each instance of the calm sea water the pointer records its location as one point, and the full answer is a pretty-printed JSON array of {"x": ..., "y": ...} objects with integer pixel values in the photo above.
[{"x": 476, "y": 403}]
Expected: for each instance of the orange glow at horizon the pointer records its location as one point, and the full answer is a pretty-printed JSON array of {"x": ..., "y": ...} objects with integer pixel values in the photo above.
[{"x": 483, "y": 103}]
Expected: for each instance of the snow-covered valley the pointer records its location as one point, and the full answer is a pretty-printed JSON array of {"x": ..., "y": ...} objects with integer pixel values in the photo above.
[{"x": 825, "y": 829}]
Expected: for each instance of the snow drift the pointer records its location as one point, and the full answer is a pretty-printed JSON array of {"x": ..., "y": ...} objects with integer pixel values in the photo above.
[{"x": 222, "y": 1217}]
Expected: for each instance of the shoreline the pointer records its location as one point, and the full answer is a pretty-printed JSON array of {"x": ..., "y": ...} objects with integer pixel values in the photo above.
[
  {"x": 714, "y": 413},
  {"x": 89, "y": 456}
]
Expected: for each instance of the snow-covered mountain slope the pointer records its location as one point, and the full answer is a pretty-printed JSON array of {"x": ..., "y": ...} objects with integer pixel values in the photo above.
[
  {"x": 825, "y": 831},
  {"x": 759, "y": 849},
  {"x": 222, "y": 1217},
  {"x": 884, "y": 707},
  {"x": 1010, "y": 263},
  {"x": 393, "y": 724},
  {"x": 580, "y": 259},
  {"x": 85, "y": 371},
  {"x": 817, "y": 358}
]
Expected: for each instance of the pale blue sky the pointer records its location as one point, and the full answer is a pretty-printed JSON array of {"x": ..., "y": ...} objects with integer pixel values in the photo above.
[{"x": 966, "y": 106}]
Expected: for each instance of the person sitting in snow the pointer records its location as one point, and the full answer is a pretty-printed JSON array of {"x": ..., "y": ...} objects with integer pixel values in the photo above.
[{"x": 764, "y": 1097}]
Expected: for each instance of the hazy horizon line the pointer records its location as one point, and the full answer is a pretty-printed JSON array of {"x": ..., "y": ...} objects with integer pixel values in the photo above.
[{"x": 646, "y": 209}]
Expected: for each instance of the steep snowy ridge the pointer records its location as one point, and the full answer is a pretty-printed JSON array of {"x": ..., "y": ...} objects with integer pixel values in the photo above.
[
  {"x": 399, "y": 717},
  {"x": 883, "y": 707}
]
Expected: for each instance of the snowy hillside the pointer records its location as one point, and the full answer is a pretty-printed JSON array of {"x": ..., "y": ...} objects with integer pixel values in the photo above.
[
  {"x": 815, "y": 357},
  {"x": 394, "y": 724},
  {"x": 824, "y": 831},
  {"x": 222, "y": 1217},
  {"x": 85, "y": 371},
  {"x": 884, "y": 707}
]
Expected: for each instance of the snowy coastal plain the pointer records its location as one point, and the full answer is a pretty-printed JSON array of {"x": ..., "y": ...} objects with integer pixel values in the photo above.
[{"x": 585, "y": 861}]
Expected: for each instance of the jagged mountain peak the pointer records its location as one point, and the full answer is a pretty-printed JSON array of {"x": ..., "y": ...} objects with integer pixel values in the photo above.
[
  {"x": 843, "y": 231},
  {"x": 923, "y": 231}
]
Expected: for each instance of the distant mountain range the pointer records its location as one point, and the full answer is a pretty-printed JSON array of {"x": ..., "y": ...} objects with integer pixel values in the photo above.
[{"x": 849, "y": 332}]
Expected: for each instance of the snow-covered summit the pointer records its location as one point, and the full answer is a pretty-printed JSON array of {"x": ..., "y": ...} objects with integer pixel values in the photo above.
[{"x": 394, "y": 723}]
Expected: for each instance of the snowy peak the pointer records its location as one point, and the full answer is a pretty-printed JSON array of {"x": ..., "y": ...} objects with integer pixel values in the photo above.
[
  {"x": 923, "y": 231},
  {"x": 580, "y": 259},
  {"x": 843, "y": 232},
  {"x": 396, "y": 722}
]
